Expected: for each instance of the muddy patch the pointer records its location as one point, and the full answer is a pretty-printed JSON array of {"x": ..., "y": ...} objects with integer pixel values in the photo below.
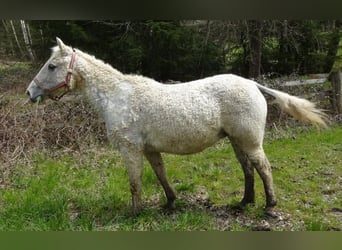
[
  {"x": 230, "y": 218},
  {"x": 338, "y": 213}
]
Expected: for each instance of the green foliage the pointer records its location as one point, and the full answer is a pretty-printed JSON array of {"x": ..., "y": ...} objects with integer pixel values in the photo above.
[
  {"x": 167, "y": 50},
  {"x": 160, "y": 49},
  {"x": 177, "y": 52},
  {"x": 187, "y": 50},
  {"x": 293, "y": 46}
]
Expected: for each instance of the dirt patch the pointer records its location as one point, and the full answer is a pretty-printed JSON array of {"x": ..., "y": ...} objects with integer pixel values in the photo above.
[
  {"x": 229, "y": 218},
  {"x": 338, "y": 213}
]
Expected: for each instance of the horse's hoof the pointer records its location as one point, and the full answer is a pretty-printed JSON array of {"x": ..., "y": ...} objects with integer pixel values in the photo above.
[
  {"x": 136, "y": 211},
  {"x": 170, "y": 206},
  {"x": 272, "y": 213},
  {"x": 242, "y": 204},
  {"x": 238, "y": 207}
]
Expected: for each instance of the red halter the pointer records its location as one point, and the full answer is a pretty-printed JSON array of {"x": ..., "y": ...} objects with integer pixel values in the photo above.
[{"x": 64, "y": 84}]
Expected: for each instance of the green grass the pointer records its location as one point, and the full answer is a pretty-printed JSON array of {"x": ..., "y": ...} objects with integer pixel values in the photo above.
[
  {"x": 308, "y": 173},
  {"x": 16, "y": 66},
  {"x": 85, "y": 192}
]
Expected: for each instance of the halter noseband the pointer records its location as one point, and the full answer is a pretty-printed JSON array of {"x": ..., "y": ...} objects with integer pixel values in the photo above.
[{"x": 64, "y": 84}]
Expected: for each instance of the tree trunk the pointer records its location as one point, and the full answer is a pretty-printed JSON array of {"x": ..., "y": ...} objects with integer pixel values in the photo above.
[
  {"x": 26, "y": 39},
  {"x": 336, "y": 82},
  {"x": 204, "y": 47},
  {"x": 333, "y": 46},
  {"x": 284, "y": 48},
  {"x": 335, "y": 77},
  {"x": 255, "y": 42},
  {"x": 11, "y": 47},
  {"x": 29, "y": 33},
  {"x": 16, "y": 38}
]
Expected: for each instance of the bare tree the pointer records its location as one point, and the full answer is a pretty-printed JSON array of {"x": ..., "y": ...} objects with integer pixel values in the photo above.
[
  {"x": 16, "y": 38},
  {"x": 26, "y": 39},
  {"x": 254, "y": 28},
  {"x": 9, "y": 40},
  {"x": 333, "y": 45},
  {"x": 29, "y": 33}
]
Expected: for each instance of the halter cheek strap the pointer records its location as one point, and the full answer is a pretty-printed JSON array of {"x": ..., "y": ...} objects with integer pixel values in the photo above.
[{"x": 64, "y": 84}]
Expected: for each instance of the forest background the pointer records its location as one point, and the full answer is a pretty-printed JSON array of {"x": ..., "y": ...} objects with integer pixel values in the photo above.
[{"x": 184, "y": 50}]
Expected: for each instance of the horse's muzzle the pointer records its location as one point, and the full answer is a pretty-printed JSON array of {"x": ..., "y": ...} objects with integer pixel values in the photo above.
[{"x": 34, "y": 98}]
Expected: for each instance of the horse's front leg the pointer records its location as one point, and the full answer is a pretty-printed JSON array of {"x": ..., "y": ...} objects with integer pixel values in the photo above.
[
  {"x": 157, "y": 164},
  {"x": 133, "y": 158}
]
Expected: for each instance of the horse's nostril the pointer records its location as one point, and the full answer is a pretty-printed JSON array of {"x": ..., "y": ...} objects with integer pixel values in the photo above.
[
  {"x": 27, "y": 92},
  {"x": 33, "y": 100}
]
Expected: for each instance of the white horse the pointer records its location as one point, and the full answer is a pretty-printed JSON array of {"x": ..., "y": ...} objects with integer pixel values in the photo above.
[{"x": 144, "y": 117}]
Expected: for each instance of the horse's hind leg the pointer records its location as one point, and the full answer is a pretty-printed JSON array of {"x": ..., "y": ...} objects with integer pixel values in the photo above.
[
  {"x": 157, "y": 164},
  {"x": 248, "y": 170},
  {"x": 263, "y": 167},
  {"x": 251, "y": 155}
]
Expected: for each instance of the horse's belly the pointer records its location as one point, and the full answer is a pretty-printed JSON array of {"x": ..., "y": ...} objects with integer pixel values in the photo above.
[{"x": 182, "y": 143}]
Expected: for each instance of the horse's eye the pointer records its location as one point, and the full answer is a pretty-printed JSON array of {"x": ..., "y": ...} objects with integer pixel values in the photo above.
[{"x": 51, "y": 66}]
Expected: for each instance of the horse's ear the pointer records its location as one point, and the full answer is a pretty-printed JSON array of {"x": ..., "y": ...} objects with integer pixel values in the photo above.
[{"x": 60, "y": 44}]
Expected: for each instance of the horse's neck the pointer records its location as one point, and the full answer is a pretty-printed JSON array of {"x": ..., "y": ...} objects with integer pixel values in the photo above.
[
  {"x": 105, "y": 85},
  {"x": 100, "y": 80},
  {"x": 97, "y": 73}
]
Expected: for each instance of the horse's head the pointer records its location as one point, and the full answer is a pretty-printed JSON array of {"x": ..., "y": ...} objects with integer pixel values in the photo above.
[{"x": 57, "y": 76}]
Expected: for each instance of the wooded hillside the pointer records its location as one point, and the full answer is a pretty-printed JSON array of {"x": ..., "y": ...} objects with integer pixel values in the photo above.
[{"x": 184, "y": 50}]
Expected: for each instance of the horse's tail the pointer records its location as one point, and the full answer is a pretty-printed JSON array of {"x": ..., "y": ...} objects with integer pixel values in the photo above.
[{"x": 299, "y": 108}]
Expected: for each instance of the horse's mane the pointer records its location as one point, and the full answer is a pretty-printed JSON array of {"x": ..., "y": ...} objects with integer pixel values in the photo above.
[{"x": 132, "y": 78}]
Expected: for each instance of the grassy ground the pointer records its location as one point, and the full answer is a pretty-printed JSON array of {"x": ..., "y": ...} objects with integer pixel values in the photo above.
[{"x": 74, "y": 191}]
